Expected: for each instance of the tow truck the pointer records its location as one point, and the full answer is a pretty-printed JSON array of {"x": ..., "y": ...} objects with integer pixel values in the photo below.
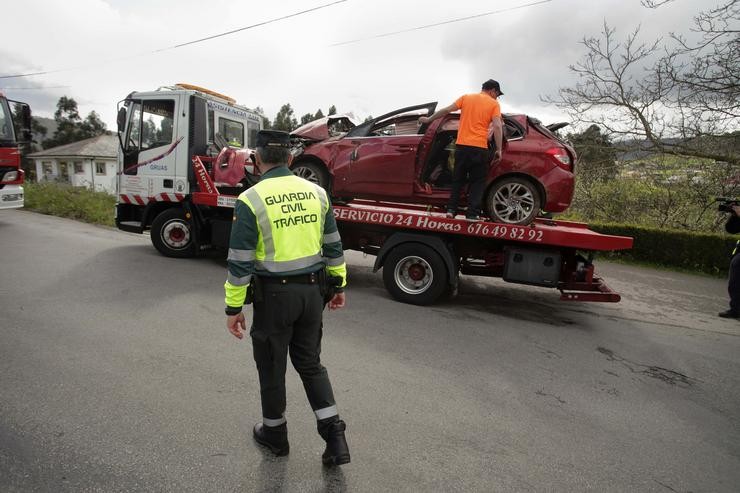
[
  {"x": 422, "y": 252},
  {"x": 11, "y": 174}
]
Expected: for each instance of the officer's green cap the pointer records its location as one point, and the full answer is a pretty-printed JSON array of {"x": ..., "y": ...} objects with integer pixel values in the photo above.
[{"x": 273, "y": 138}]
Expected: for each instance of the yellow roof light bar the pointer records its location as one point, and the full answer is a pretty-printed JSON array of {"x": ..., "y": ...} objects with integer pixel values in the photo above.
[{"x": 206, "y": 91}]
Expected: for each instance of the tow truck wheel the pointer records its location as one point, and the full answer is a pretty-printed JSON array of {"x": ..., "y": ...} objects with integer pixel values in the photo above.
[
  {"x": 513, "y": 200},
  {"x": 315, "y": 173},
  {"x": 414, "y": 273},
  {"x": 172, "y": 234}
]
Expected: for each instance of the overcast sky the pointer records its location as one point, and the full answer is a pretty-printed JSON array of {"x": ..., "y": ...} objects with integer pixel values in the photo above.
[{"x": 100, "y": 51}]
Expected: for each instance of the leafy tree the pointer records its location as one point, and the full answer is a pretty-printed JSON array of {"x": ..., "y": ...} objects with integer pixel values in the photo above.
[
  {"x": 70, "y": 127},
  {"x": 332, "y": 110},
  {"x": 597, "y": 157},
  {"x": 285, "y": 120},
  {"x": 68, "y": 121},
  {"x": 266, "y": 125},
  {"x": 92, "y": 126},
  {"x": 308, "y": 117},
  {"x": 319, "y": 114}
]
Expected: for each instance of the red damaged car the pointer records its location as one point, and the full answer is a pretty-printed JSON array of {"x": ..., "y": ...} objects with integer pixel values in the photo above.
[{"x": 393, "y": 158}]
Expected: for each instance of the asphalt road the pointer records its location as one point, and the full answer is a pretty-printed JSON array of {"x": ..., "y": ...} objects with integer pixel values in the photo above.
[{"x": 117, "y": 374}]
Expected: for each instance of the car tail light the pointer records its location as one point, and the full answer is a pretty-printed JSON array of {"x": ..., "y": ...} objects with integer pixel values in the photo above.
[{"x": 561, "y": 157}]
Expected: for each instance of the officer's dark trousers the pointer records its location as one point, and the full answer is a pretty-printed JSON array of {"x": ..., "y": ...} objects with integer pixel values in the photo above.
[
  {"x": 471, "y": 165},
  {"x": 733, "y": 285},
  {"x": 288, "y": 320}
]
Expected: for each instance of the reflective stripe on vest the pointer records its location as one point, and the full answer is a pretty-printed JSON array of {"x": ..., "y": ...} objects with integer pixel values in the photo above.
[
  {"x": 737, "y": 245},
  {"x": 290, "y": 216}
]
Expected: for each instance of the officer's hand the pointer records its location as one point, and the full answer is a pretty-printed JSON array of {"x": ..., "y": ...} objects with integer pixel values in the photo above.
[
  {"x": 235, "y": 324},
  {"x": 336, "y": 302},
  {"x": 424, "y": 119},
  {"x": 497, "y": 156}
]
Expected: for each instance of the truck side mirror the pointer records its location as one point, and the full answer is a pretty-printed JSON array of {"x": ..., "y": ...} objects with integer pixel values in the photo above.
[
  {"x": 25, "y": 123},
  {"x": 121, "y": 119}
]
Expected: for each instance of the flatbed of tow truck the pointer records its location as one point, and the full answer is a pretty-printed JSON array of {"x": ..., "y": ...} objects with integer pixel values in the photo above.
[
  {"x": 409, "y": 242},
  {"x": 422, "y": 252}
]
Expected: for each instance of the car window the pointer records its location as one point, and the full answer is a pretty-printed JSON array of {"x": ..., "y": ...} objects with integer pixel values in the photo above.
[
  {"x": 512, "y": 131},
  {"x": 403, "y": 124}
]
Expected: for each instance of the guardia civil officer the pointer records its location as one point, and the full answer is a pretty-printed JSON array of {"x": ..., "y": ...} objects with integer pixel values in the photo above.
[{"x": 284, "y": 243}]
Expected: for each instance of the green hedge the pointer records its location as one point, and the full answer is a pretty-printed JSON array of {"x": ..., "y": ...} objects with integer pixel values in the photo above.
[
  {"x": 73, "y": 202},
  {"x": 704, "y": 252}
]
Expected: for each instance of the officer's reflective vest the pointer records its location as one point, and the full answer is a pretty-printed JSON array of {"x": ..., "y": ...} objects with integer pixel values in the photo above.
[{"x": 290, "y": 214}]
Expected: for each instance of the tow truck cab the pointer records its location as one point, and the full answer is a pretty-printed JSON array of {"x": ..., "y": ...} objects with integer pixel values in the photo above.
[{"x": 160, "y": 132}]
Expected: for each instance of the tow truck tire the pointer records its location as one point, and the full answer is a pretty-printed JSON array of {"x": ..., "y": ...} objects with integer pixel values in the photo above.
[
  {"x": 414, "y": 273},
  {"x": 513, "y": 200},
  {"x": 313, "y": 172},
  {"x": 172, "y": 234}
]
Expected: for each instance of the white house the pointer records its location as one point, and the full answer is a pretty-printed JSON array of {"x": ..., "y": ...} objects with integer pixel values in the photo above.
[{"x": 88, "y": 163}]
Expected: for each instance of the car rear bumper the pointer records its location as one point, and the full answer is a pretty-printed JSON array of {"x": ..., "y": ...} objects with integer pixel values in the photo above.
[
  {"x": 11, "y": 197},
  {"x": 559, "y": 187}
]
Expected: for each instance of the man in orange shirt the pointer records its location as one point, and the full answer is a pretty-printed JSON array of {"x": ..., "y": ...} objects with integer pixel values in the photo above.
[{"x": 479, "y": 118}]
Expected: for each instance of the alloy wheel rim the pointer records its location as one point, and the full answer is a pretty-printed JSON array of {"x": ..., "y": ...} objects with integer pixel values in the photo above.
[
  {"x": 513, "y": 202},
  {"x": 306, "y": 174}
]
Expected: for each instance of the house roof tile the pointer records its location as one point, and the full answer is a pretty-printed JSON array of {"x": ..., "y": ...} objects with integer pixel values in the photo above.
[{"x": 102, "y": 146}]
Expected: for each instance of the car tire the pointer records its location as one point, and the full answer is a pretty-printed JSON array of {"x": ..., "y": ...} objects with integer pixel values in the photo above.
[
  {"x": 414, "y": 273},
  {"x": 313, "y": 172},
  {"x": 513, "y": 200},
  {"x": 172, "y": 234}
]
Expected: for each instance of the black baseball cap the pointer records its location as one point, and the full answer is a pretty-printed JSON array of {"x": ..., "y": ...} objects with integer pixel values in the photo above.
[
  {"x": 492, "y": 84},
  {"x": 273, "y": 138}
]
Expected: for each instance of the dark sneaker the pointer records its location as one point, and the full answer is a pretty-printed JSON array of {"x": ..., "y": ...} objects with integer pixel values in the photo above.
[
  {"x": 337, "y": 451},
  {"x": 729, "y": 314},
  {"x": 273, "y": 437},
  {"x": 473, "y": 218},
  {"x": 450, "y": 215}
]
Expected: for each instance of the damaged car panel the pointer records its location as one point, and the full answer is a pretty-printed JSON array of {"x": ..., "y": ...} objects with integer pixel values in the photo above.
[
  {"x": 394, "y": 158},
  {"x": 324, "y": 128}
]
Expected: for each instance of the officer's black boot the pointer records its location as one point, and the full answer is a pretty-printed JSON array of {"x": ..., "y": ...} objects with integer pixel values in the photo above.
[
  {"x": 332, "y": 431},
  {"x": 273, "y": 437}
]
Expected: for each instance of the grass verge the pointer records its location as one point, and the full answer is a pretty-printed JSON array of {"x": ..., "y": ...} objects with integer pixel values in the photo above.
[{"x": 71, "y": 202}]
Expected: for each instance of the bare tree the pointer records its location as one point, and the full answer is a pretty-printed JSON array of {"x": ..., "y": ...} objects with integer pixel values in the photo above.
[{"x": 682, "y": 99}]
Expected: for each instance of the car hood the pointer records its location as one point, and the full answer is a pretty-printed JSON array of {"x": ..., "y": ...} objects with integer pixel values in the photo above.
[{"x": 324, "y": 128}]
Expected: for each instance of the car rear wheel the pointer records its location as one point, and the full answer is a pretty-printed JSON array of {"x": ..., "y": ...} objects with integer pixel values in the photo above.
[
  {"x": 414, "y": 273},
  {"x": 313, "y": 172},
  {"x": 513, "y": 200},
  {"x": 172, "y": 234}
]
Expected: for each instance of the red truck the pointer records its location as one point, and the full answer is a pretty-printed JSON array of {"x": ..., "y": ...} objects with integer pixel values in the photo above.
[{"x": 11, "y": 174}]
